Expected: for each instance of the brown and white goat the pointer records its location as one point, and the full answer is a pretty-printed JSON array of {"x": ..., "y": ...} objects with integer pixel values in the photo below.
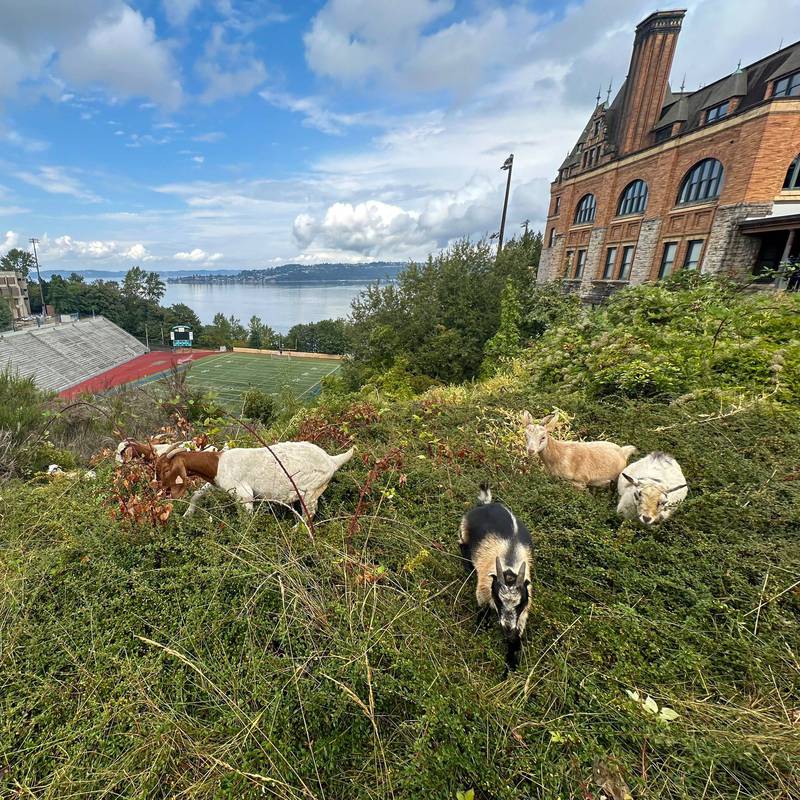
[
  {"x": 253, "y": 473},
  {"x": 581, "y": 463},
  {"x": 499, "y": 548},
  {"x": 130, "y": 448}
]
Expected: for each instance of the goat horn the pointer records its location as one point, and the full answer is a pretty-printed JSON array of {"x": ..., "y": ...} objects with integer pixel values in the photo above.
[
  {"x": 498, "y": 568},
  {"x": 172, "y": 450},
  {"x": 675, "y": 488},
  {"x": 628, "y": 478},
  {"x": 521, "y": 575}
]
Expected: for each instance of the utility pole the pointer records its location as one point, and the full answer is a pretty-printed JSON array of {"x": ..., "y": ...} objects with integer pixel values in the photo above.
[
  {"x": 507, "y": 165},
  {"x": 34, "y": 242}
]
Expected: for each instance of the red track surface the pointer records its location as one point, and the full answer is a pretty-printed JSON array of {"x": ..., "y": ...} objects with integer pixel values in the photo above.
[{"x": 140, "y": 367}]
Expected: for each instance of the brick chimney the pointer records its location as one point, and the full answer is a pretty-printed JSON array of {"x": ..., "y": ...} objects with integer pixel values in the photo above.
[{"x": 648, "y": 74}]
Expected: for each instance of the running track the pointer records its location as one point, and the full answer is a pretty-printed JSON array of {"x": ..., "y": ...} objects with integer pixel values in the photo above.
[{"x": 140, "y": 367}]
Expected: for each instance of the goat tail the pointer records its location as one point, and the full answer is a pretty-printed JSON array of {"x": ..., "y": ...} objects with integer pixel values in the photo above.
[
  {"x": 484, "y": 494},
  {"x": 343, "y": 458},
  {"x": 628, "y": 451}
]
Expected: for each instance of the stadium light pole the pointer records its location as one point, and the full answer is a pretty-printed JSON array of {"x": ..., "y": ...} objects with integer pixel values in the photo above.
[
  {"x": 34, "y": 242},
  {"x": 508, "y": 164}
]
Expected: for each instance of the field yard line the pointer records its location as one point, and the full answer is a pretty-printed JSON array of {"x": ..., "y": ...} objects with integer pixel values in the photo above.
[{"x": 319, "y": 382}]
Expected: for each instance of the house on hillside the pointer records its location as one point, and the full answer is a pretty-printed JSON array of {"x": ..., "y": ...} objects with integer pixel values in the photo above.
[
  {"x": 661, "y": 180},
  {"x": 14, "y": 291}
]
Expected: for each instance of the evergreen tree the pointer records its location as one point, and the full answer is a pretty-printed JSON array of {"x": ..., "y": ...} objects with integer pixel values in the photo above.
[
  {"x": 154, "y": 288},
  {"x": 254, "y": 338}
]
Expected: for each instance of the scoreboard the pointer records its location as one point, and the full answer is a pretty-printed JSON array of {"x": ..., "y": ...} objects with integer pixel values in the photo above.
[{"x": 181, "y": 336}]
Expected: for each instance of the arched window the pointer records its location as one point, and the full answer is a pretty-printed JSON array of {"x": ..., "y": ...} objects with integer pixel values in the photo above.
[
  {"x": 701, "y": 182},
  {"x": 634, "y": 199},
  {"x": 793, "y": 175},
  {"x": 585, "y": 210}
]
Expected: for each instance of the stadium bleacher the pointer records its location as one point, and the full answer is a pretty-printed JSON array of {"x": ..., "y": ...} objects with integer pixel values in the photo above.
[{"x": 60, "y": 356}]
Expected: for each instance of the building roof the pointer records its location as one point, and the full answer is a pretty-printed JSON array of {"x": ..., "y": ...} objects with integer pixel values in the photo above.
[{"x": 748, "y": 84}]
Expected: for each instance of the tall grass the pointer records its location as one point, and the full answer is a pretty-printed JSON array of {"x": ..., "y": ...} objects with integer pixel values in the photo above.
[{"x": 234, "y": 656}]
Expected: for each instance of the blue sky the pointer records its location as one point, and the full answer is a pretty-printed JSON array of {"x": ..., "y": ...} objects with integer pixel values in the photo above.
[{"x": 211, "y": 133}]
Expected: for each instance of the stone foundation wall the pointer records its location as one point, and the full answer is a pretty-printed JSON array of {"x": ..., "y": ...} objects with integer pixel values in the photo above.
[
  {"x": 645, "y": 254},
  {"x": 728, "y": 251},
  {"x": 550, "y": 260},
  {"x": 593, "y": 255}
]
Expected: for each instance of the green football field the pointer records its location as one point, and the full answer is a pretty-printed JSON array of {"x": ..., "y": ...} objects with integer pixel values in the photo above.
[{"x": 230, "y": 375}]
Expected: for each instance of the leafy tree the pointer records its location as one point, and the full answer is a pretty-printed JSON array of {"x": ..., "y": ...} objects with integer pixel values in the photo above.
[
  {"x": 133, "y": 284},
  {"x": 439, "y": 315},
  {"x": 19, "y": 261},
  {"x": 507, "y": 342},
  {"x": 154, "y": 288},
  {"x": 325, "y": 336},
  {"x": 6, "y": 318},
  {"x": 255, "y": 336}
]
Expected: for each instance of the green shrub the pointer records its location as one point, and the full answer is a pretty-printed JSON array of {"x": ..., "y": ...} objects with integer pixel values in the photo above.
[
  {"x": 259, "y": 405},
  {"x": 665, "y": 340}
]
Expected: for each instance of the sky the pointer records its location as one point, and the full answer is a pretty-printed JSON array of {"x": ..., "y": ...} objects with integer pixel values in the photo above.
[{"x": 245, "y": 133}]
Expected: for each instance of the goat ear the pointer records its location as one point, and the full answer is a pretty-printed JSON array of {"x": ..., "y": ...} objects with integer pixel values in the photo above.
[
  {"x": 521, "y": 574},
  {"x": 527, "y": 419},
  {"x": 498, "y": 567},
  {"x": 629, "y": 479},
  {"x": 550, "y": 421}
]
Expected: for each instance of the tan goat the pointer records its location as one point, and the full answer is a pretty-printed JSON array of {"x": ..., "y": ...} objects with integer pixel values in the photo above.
[{"x": 581, "y": 463}]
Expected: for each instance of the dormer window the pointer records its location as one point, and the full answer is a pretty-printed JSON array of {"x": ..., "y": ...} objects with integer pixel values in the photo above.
[
  {"x": 717, "y": 112},
  {"x": 662, "y": 134},
  {"x": 788, "y": 86},
  {"x": 597, "y": 124}
]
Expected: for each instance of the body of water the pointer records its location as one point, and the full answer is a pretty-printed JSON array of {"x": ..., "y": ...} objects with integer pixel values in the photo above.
[{"x": 279, "y": 306}]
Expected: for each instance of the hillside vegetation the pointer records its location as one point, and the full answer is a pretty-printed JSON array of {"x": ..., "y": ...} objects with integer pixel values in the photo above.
[{"x": 230, "y": 656}]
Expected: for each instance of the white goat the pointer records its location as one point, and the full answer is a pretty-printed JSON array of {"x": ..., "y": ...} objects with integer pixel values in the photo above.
[
  {"x": 651, "y": 488},
  {"x": 252, "y": 473},
  {"x": 581, "y": 463}
]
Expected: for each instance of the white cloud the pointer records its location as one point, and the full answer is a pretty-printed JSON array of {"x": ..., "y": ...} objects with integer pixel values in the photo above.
[
  {"x": 57, "y": 180},
  {"x": 90, "y": 43},
  {"x": 109, "y": 51},
  {"x": 315, "y": 115},
  {"x": 352, "y": 39},
  {"x": 26, "y": 143},
  {"x": 178, "y": 11},
  {"x": 198, "y": 159},
  {"x": 65, "y": 246},
  {"x": 10, "y": 241},
  {"x": 211, "y": 137},
  {"x": 197, "y": 255},
  {"x": 229, "y": 69}
]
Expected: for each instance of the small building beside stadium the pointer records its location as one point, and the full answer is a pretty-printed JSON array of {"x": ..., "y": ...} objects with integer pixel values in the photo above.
[
  {"x": 14, "y": 291},
  {"x": 661, "y": 180}
]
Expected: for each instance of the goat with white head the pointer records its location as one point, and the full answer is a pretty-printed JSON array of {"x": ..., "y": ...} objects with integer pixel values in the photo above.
[
  {"x": 651, "y": 488},
  {"x": 253, "y": 473},
  {"x": 581, "y": 463},
  {"x": 499, "y": 549}
]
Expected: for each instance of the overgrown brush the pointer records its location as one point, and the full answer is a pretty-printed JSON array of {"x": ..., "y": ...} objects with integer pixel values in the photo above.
[{"x": 235, "y": 656}]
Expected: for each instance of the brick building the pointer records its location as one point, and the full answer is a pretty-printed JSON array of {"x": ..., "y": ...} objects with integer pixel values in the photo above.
[
  {"x": 661, "y": 180},
  {"x": 14, "y": 291}
]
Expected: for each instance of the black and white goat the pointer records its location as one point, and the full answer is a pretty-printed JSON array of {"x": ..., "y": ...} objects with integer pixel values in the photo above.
[{"x": 500, "y": 550}]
